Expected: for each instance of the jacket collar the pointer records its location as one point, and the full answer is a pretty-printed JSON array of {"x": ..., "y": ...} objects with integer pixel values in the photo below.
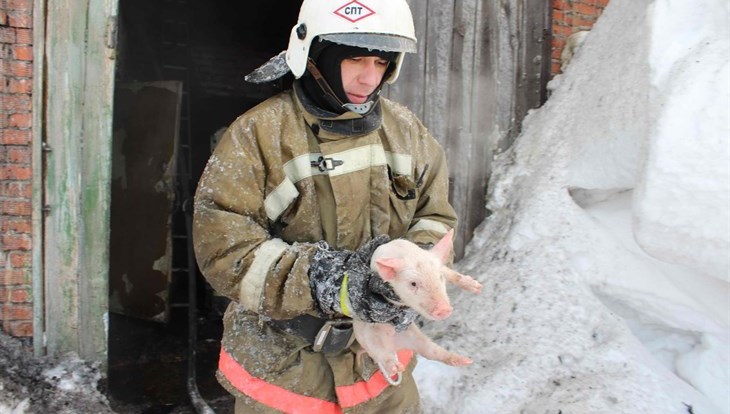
[{"x": 330, "y": 125}]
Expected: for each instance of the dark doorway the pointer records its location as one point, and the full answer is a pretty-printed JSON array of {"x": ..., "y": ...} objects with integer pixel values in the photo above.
[{"x": 191, "y": 55}]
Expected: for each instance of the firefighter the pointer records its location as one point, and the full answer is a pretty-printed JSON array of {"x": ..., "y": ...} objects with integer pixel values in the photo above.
[{"x": 299, "y": 192}]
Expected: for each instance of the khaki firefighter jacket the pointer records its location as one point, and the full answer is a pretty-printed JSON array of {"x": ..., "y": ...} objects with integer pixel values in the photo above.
[{"x": 271, "y": 189}]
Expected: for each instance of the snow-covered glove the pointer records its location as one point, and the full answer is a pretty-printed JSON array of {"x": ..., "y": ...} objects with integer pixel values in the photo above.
[{"x": 342, "y": 283}]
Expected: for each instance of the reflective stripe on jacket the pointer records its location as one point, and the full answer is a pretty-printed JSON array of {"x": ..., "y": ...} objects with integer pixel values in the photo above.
[
  {"x": 271, "y": 189},
  {"x": 289, "y": 402}
]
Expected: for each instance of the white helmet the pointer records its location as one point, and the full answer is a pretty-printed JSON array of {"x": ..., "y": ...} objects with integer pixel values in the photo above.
[{"x": 385, "y": 25}]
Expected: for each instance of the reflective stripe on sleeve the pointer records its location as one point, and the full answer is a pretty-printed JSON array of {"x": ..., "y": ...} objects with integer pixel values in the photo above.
[
  {"x": 272, "y": 395},
  {"x": 279, "y": 199},
  {"x": 429, "y": 225},
  {"x": 252, "y": 285},
  {"x": 362, "y": 391}
]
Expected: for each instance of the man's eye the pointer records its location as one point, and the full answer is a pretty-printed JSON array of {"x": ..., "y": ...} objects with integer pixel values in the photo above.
[{"x": 383, "y": 62}]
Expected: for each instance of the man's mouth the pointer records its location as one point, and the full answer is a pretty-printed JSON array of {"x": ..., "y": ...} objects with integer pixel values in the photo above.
[{"x": 357, "y": 99}]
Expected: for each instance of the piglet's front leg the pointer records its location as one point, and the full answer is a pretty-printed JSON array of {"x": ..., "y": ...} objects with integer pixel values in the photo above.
[{"x": 465, "y": 282}]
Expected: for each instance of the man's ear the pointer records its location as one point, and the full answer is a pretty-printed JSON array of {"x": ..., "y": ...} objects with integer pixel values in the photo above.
[
  {"x": 389, "y": 267},
  {"x": 442, "y": 249}
]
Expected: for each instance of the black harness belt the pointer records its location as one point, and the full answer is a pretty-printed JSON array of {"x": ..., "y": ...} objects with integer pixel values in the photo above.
[{"x": 326, "y": 335}]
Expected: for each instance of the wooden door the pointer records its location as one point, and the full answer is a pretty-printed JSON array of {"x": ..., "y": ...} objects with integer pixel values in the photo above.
[
  {"x": 481, "y": 65},
  {"x": 77, "y": 69}
]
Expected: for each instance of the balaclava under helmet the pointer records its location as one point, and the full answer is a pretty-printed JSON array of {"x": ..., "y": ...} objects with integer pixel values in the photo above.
[{"x": 328, "y": 59}]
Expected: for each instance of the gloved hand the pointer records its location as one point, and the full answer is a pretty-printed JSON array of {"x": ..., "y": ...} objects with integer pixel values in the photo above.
[{"x": 342, "y": 283}]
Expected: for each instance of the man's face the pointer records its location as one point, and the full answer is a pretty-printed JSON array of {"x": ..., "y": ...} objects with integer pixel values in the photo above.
[{"x": 361, "y": 75}]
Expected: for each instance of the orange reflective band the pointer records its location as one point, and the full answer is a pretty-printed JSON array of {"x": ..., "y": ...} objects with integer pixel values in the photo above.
[
  {"x": 270, "y": 394},
  {"x": 362, "y": 391}
]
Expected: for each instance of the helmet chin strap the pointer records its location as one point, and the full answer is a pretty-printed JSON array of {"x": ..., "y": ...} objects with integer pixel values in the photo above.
[
  {"x": 330, "y": 95},
  {"x": 361, "y": 109}
]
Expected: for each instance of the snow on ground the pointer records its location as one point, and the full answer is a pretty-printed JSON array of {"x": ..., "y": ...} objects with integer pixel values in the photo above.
[
  {"x": 29, "y": 385},
  {"x": 606, "y": 259}
]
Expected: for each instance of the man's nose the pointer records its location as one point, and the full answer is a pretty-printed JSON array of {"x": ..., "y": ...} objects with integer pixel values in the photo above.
[{"x": 370, "y": 74}]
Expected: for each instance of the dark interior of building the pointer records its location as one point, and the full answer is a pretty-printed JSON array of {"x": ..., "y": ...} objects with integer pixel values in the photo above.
[{"x": 179, "y": 80}]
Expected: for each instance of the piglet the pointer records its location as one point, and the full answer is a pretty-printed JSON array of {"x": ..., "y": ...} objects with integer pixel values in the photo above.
[{"x": 419, "y": 278}]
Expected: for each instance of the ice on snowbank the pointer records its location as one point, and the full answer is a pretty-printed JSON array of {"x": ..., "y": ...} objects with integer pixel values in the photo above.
[{"x": 605, "y": 257}]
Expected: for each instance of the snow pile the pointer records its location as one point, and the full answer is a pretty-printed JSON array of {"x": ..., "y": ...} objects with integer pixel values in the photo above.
[
  {"x": 605, "y": 259},
  {"x": 44, "y": 385}
]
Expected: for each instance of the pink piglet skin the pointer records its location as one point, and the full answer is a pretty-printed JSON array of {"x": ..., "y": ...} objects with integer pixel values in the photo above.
[{"x": 419, "y": 278}]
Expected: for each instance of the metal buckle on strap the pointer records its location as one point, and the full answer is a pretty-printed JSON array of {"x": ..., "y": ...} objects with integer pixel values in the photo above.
[
  {"x": 326, "y": 164},
  {"x": 335, "y": 335}
]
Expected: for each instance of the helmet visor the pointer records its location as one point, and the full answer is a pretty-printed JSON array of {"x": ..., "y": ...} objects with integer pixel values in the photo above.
[{"x": 386, "y": 43}]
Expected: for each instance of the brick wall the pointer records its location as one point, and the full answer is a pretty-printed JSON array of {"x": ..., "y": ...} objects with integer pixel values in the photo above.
[
  {"x": 570, "y": 16},
  {"x": 16, "y": 80}
]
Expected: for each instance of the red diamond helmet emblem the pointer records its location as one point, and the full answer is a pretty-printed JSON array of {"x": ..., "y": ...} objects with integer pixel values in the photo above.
[{"x": 354, "y": 11}]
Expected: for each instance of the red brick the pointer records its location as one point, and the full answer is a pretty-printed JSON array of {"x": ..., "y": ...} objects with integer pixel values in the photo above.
[
  {"x": 560, "y": 16},
  {"x": 20, "y": 259},
  {"x": 14, "y": 103},
  {"x": 12, "y": 277},
  {"x": 20, "y": 296},
  {"x": 22, "y": 5},
  {"x": 19, "y": 155},
  {"x": 562, "y": 4},
  {"x": 20, "y": 18},
  {"x": 17, "y": 225},
  {"x": 19, "y": 69},
  {"x": 24, "y": 36},
  {"x": 8, "y": 34},
  {"x": 23, "y": 52},
  {"x": 15, "y": 172},
  {"x": 556, "y": 52},
  {"x": 586, "y": 9},
  {"x": 582, "y": 22},
  {"x": 15, "y": 208},
  {"x": 5, "y": 50},
  {"x": 20, "y": 329},
  {"x": 18, "y": 312},
  {"x": 15, "y": 189},
  {"x": 3, "y": 18},
  {"x": 555, "y": 67},
  {"x": 21, "y": 120},
  {"x": 564, "y": 31},
  {"x": 24, "y": 86},
  {"x": 558, "y": 43},
  {"x": 14, "y": 137}
]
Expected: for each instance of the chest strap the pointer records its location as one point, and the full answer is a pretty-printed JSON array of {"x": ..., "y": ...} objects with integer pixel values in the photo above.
[{"x": 326, "y": 335}]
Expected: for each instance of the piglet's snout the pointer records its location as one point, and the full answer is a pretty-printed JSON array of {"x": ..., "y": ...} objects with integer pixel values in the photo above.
[{"x": 442, "y": 310}]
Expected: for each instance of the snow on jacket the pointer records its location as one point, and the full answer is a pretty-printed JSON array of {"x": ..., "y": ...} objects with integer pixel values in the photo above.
[{"x": 271, "y": 190}]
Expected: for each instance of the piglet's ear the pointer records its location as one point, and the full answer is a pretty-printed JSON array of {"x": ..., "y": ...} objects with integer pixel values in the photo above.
[
  {"x": 442, "y": 249},
  {"x": 388, "y": 267}
]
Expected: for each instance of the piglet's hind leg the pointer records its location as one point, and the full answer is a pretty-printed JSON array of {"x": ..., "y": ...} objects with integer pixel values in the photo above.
[
  {"x": 416, "y": 340},
  {"x": 378, "y": 341}
]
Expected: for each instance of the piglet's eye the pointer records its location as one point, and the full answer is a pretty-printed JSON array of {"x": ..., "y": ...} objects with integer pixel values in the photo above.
[{"x": 414, "y": 284}]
